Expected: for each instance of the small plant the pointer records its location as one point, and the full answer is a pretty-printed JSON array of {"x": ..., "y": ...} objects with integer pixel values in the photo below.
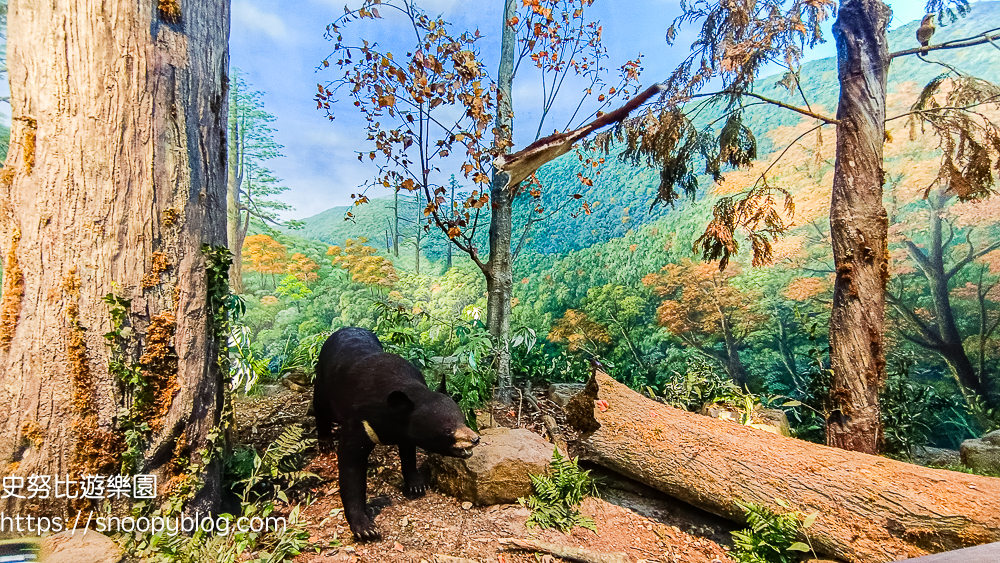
[
  {"x": 280, "y": 467},
  {"x": 700, "y": 384},
  {"x": 558, "y": 496},
  {"x": 771, "y": 537},
  {"x": 246, "y": 369},
  {"x": 909, "y": 410}
]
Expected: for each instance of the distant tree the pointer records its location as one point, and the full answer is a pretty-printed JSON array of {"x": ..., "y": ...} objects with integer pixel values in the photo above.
[
  {"x": 267, "y": 256},
  {"x": 442, "y": 71},
  {"x": 735, "y": 42},
  {"x": 580, "y": 332},
  {"x": 251, "y": 184},
  {"x": 707, "y": 312},
  {"x": 363, "y": 263},
  {"x": 303, "y": 268},
  {"x": 294, "y": 289},
  {"x": 951, "y": 247}
]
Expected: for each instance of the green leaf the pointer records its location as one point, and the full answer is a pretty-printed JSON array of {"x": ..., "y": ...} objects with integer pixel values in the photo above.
[
  {"x": 799, "y": 546},
  {"x": 792, "y": 404},
  {"x": 810, "y": 520}
]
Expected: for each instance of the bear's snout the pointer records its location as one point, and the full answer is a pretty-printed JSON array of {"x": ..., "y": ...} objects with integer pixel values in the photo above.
[{"x": 465, "y": 440}]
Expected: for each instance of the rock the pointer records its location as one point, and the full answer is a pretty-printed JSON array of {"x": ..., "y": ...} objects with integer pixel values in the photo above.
[
  {"x": 485, "y": 419},
  {"x": 561, "y": 393},
  {"x": 299, "y": 377},
  {"x": 776, "y": 418},
  {"x": 66, "y": 547},
  {"x": 294, "y": 386},
  {"x": 982, "y": 454},
  {"x": 769, "y": 420},
  {"x": 270, "y": 389},
  {"x": 498, "y": 471},
  {"x": 935, "y": 456}
]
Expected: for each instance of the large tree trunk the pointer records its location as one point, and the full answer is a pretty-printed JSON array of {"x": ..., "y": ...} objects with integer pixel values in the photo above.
[
  {"x": 500, "y": 277},
  {"x": 871, "y": 509},
  {"x": 859, "y": 225},
  {"x": 115, "y": 178}
]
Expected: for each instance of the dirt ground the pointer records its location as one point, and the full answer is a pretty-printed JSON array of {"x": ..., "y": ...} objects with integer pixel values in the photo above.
[{"x": 630, "y": 517}]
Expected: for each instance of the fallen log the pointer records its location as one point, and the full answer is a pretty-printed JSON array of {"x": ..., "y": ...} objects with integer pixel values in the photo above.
[
  {"x": 565, "y": 551},
  {"x": 871, "y": 509}
]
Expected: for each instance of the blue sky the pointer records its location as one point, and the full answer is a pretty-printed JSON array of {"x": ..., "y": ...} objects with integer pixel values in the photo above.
[{"x": 278, "y": 45}]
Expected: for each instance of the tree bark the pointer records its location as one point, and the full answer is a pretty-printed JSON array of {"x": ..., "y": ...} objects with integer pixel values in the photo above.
[
  {"x": 500, "y": 277},
  {"x": 859, "y": 225},
  {"x": 115, "y": 178},
  {"x": 234, "y": 231},
  {"x": 871, "y": 509}
]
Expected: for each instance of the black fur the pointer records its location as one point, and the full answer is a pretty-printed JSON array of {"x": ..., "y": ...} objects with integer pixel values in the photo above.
[{"x": 357, "y": 381}]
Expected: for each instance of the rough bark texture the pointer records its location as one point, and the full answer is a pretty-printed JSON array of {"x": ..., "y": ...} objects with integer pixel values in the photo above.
[
  {"x": 500, "y": 268},
  {"x": 871, "y": 509},
  {"x": 115, "y": 178},
  {"x": 859, "y": 225}
]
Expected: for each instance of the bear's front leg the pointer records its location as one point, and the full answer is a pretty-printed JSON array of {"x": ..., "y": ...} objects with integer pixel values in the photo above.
[
  {"x": 413, "y": 482},
  {"x": 352, "y": 463}
]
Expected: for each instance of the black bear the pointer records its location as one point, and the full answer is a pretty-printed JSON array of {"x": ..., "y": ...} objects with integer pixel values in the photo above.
[{"x": 380, "y": 398}]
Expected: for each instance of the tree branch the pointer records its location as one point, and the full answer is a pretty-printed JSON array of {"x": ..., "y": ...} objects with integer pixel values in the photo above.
[
  {"x": 789, "y": 107},
  {"x": 970, "y": 257},
  {"x": 985, "y": 37}
]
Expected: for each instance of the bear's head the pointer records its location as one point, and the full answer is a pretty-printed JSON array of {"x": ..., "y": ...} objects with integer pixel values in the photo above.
[{"x": 434, "y": 423}]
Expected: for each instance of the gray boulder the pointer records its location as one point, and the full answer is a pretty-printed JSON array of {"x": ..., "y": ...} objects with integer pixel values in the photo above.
[
  {"x": 982, "y": 454},
  {"x": 561, "y": 393},
  {"x": 498, "y": 471},
  {"x": 92, "y": 547}
]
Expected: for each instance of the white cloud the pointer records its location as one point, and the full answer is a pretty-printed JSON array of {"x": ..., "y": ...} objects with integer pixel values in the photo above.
[{"x": 251, "y": 18}]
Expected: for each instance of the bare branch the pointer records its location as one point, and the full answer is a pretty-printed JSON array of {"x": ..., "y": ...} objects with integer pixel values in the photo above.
[
  {"x": 987, "y": 36},
  {"x": 789, "y": 107}
]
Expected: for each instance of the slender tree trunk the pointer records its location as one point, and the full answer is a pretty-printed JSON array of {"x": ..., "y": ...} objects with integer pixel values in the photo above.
[
  {"x": 234, "y": 233},
  {"x": 447, "y": 240},
  {"x": 416, "y": 241},
  {"x": 500, "y": 278},
  {"x": 859, "y": 224},
  {"x": 734, "y": 365},
  {"x": 395, "y": 226},
  {"x": 115, "y": 178}
]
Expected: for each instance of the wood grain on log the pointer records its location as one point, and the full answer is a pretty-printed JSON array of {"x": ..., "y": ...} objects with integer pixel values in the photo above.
[{"x": 872, "y": 509}]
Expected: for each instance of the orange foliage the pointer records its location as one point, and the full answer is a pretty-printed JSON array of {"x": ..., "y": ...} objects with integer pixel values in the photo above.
[
  {"x": 992, "y": 259},
  {"x": 803, "y": 289},
  {"x": 977, "y": 212},
  {"x": 363, "y": 263},
  {"x": 701, "y": 302},
  {"x": 303, "y": 268},
  {"x": 579, "y": 330},
  {"x": 266, "y": 255}
]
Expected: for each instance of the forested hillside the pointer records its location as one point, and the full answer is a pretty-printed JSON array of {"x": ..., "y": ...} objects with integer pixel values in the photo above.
[{"x": 622, "y": 193}]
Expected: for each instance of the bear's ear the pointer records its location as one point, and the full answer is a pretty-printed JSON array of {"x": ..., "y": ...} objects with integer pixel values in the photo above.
[
  {"x": 399, "y": 402},
  {"x": 442, "y": 386}
]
